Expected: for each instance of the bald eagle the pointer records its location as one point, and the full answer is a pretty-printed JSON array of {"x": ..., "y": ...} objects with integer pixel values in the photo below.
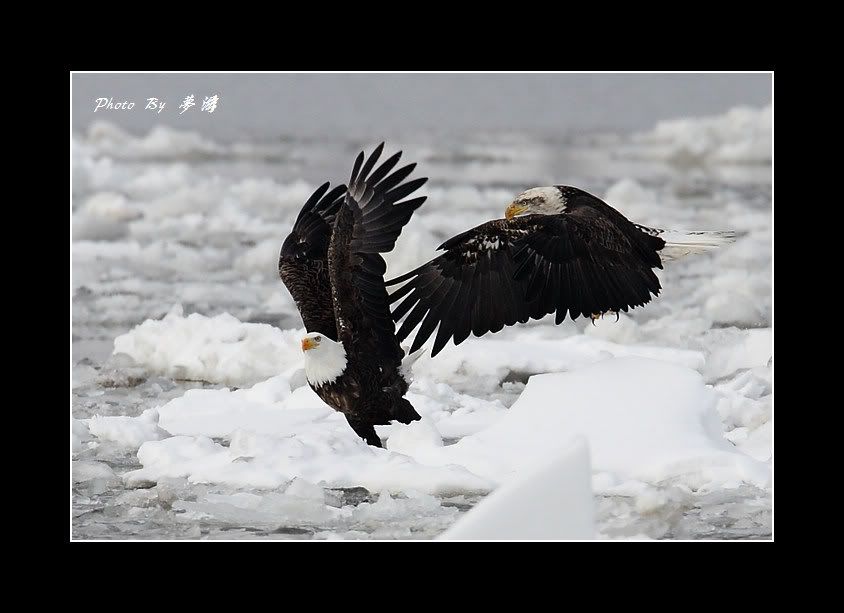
[
  {"x": 558, "y": 249},
  {"x": 331, "y": 263}
]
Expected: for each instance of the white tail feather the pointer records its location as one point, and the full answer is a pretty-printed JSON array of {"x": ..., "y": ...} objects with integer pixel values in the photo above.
[
  {"x": 408, "y": 360},
  {"x": 680, "y": 243}
]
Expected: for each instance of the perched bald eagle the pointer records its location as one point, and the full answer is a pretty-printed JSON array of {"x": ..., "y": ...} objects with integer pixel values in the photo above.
[
  {"x": 332, "y": 266},
  {"x": 559, "y": 249}
]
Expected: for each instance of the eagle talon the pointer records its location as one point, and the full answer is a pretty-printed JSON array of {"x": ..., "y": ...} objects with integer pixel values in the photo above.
[{"x": 595, "y": 316}]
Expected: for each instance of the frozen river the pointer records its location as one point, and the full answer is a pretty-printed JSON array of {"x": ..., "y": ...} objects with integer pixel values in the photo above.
[{"x": 177, "y": 223}]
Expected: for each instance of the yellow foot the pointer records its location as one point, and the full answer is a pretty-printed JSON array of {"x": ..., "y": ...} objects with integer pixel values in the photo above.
[{"x": 595, "y": 316}]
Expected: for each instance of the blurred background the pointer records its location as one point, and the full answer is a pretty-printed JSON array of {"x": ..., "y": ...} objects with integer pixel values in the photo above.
[
  {"x": 185, "y": 213},
  {"x": 265, "y": 107}
]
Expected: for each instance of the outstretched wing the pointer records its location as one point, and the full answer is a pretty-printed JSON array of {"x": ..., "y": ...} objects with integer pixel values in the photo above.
[
  {"x": 303, "y": 261},
  {"x": 502, "y": 272},
  {"x": 368, "y": 224}
]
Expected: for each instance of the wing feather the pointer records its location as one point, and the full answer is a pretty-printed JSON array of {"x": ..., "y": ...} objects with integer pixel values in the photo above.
[
  {"x": 367, "y": 224},
  {"x": 508, "y": 271},
  {"x": 303, "y": 259}
]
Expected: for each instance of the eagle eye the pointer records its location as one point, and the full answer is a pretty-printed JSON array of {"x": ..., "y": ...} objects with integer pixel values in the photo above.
[{"x": 317, "y": 338}]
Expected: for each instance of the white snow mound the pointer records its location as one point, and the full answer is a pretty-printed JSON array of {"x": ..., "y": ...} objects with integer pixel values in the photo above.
[
  {"x": 645, "y": 420},
  {"x": 742, "y": 135},
  {"x": 219, "y": 349},
  {"x": 127, "y": 431},
  {"x": 551, "y": 502}
]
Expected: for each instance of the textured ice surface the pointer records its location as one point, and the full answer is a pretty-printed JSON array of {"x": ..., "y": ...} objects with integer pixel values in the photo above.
[{"x": 175, "y": 250}]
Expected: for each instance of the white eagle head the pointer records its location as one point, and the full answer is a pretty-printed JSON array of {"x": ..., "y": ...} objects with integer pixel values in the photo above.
[
  {"x": 537, "y": 200},
  {"x": 325, "y": 360}
]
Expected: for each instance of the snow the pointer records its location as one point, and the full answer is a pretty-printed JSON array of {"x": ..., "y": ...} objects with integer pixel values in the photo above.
[
  {"x": 219, "y": 349},
  {"x": 752, "y": 348},
  {"x": 127, "y": 431},
  {"x": 492, "y": 360},
  {"x": 657, "y": 422},
  {"x": 161, "y": 142},
  {"x": 90, "y": 471},
  {"x": 418, "y": 434},
  {"x": 742, "y": 135},
  {"x": 654, "y": 434},
  {"x": 175, "y": 286},
  {"x": 553, "y": 501},
  {"x": 326, "y": 453},
  {"x": 305, "y": 505},
  {"x": 104, "y": 216}
]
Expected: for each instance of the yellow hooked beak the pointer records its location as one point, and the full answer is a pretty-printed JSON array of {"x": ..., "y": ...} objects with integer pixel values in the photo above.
[
  {"x": 514, "y": 209},
  {"x": 308, "y": 343}
]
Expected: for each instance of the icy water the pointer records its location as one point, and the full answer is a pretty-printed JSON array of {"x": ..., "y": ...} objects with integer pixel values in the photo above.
[{"x": 175, "y": 219}]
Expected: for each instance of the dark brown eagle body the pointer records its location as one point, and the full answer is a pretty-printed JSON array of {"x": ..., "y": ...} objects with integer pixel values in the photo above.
[
  {"x": 356, "y": 394},
  {"x": 332, "y": 266}
]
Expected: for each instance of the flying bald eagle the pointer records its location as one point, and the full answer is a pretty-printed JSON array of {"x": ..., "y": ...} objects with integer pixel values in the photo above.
[
  {"x": 559, "y": 249},
  {"x": 332, "y": 266}
]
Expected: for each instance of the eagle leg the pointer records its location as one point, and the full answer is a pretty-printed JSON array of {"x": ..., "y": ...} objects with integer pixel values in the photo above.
[{"x": 595, "y": 316}]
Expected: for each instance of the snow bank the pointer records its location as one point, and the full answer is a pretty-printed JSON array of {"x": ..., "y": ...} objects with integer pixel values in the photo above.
[
  {"x": 104, "y": 216},
  {"x": 260, "y": 262},
  {"x": 216, "y": 349},
  {"x": 746, "y": 409},
  {"x": 552, "y": 501},
  {"x": 127, "y": 431},
  {"x": 645, "y": 420},
  {"x": 751, "y": 348},
  {"x": 269, "y": 407},
  {"x": 454, "y": 413},
  {"x": 161, "y": 142},
  {"x": 655, "y": 422},
  {"x": 742, "y": 135},
  {"x": 663, "y": 424},
  {"x": 222, "y": 349},
  {"x": 326, "y": 452},
  {"x": 632, "y": 200},
  {"x": 488, "y": 361},
  {"x": 277, "y": 434},
  {"x": 270, "y": 197}
]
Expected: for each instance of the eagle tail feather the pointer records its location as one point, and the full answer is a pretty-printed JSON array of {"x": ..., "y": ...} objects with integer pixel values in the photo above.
[{"x": 680, "y": 243}]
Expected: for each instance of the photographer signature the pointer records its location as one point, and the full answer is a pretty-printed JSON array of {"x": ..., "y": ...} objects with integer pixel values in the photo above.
[{"x": 209, "y": 104}]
